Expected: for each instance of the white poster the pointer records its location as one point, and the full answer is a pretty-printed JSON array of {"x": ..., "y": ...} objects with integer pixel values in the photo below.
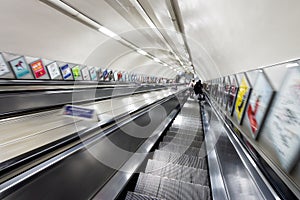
[
  {"x": 53, "y": 70},
  {"x": 85, "y": 74},
  {"x": 93, "y": 73},
  {"x": 226, "y": 92},
  {"x": 284, "y": 122},
  {"x": 232, "y": 93},
  {"x": 3, "y": 66},
  {"x": 116, "y": 75}
]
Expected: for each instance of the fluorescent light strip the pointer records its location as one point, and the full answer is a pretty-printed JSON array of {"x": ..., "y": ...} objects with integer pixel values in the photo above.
[
  {"x": 109, "y": 33},
  {"x": 142, "y": 12},
  {"x": 73, "y": 12},
  {"x": 64, "y": 6},
  {"x": 156, "y": 60},
  {"x": 292, "y": 65},
  {"x": 140, "y": 51}
]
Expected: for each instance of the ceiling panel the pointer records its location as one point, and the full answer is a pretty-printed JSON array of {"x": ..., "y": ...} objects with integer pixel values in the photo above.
[
  {"x": 160, "y": 13},
  {"x": 113, "y": 56},
  {"x": 227, "y": 37},
  {"x": 147, "y": 38},
  {"x": 107, "y": 16},
  {"x": 33, "y": 28}
]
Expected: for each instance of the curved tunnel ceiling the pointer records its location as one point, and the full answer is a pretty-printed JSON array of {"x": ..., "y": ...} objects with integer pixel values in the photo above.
[
  {"x": 239, "y": 35},
  {"x": 218, "y": 37}
]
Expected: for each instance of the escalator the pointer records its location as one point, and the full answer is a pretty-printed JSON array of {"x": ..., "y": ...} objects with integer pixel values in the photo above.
[
  {"x": 178, "y": 168},
  {"x": 186, "y": 154},
  {"x": 69, "y": 168}
]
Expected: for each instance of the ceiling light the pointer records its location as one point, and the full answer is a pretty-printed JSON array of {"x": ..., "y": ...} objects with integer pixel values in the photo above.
[
  {"x": 149, "y": 21},
  {"x": 140, "y": 51},
  {"x": 156, "y": 60},
  {"x": 63, "y": 6},
  {"x": 109, "y": 33},
  {"x": 292, "y": 65}
]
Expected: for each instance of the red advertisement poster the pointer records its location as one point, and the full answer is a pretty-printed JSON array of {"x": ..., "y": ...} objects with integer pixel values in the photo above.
[
  {"x": 259, "y": 101},
  {"x": 38, "y": 68}
]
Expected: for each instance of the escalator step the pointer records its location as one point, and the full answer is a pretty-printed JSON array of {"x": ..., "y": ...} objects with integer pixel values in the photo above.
[
  {"x": 197, "y": 132},
  {"x": 147, "y": 184},
  {"x": 180, "y": 159},
  {"x": 171, "y": 189},
  {"x": 187, "y": 127},
  {"x": 193, "y": 175},
  {"x": 184, "y": 142},
  {"x": 192, "y": 191},
  {"x": 137, "y": 196},
  {"x": 163, "y": 169},
  {"x": 184, "y": 136},
  {"x": 178, "y": 172},
  {"x": 192, "y": 151}
]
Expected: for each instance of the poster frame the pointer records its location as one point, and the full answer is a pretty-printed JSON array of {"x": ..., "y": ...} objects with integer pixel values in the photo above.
[
  {"x": 268, "y": 106},
  {"x": 240, "y": 121}
]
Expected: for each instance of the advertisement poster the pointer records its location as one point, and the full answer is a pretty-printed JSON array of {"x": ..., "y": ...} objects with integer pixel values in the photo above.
[
  {"x": 222, "y": 91},
  {"x": 105, "y": 75},
  {"x": 232, "y": 93},
  {"x": 93, "y": 74},
  {"x": 226, "y": 88},
  {"x": 116, "y": 75},
  {"x": 110, "y": 75},
  {"x": 76, "y": 73},
  {"x": 3, "y": 66},
  {"x": 38, "y": 68},
  {"x": 284, "y": 122},
  {"x": 100, "y": 74},
  {"x": 242, "y": 99},
  {"x": 259, "y": 102},
  {"x": 53, "y": 70},
  {"x": 119, "y": 76},
  {"x": 20, "y": 67},
  {"x": 85, "y": 74},
  {"x": 66, "y": 71}
]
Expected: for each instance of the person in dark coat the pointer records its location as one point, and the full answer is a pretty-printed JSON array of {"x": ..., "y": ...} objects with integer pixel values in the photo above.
[{"x": 198, "y": 89}]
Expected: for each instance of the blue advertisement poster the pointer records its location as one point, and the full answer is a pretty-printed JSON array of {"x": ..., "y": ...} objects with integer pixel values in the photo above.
[
  {"x": 20, "y": 67},
  {"x": 105, "y": 74},
  {"x": 66, "y": 71}
]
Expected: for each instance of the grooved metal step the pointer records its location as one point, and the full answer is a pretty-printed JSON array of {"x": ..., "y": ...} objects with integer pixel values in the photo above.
[
  {"x": 180, "y": 159},
  {"x": 191, "y": 151},
  {"x": 183, "y": 142},
  {"x": 138, "y": 196},
  {"x": 197, "y": 132},
  {"x": 184, "y": 136},
  {"x": 178, "y": 169},
  {"x": 178, "y": 172},
  {"x": 165, "y": 188}
]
